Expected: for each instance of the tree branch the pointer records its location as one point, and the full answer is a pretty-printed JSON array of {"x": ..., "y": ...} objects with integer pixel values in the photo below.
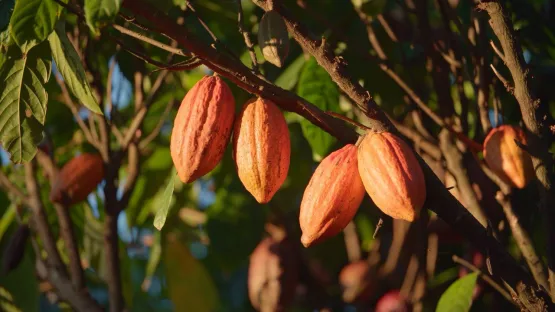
[
  {"x": 533, "y": 118},
  {"x": 247, "y": 37}
]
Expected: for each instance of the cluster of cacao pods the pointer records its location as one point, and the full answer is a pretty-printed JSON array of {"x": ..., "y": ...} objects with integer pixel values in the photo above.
[
  {"x": 273, "y": 275},
  {"x": 382, "y": 164},
  {"x": 505, "y": 158},
  {"x": 77, "y": 179},
  {"x": 203, "y": 127}
]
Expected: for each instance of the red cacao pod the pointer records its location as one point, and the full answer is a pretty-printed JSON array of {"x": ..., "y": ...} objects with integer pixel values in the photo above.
[
  {"x": 273, "y": 275},
  {"x": 505, "y": 158},
  {"x": 261, "y": 148},
  {"x": 77, "y": 179},
  {"x": 393, "y": 301},
  {"x": 356, "y": 281},
  {"x": 332, "y": 197},
  {"x": 202, "y": 128},
  {"x": 391, "y": 175}
]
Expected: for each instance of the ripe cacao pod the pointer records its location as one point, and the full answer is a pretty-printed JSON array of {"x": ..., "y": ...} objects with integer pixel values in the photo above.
[
  {"x": 356, "y": 282},
  {"x": 77, "y": 179},
  {"x": 392, "y": 301},
  {"x": 261, "y": 148},
  {"x": 273, "y": 275},
  {"x": 391, "y": 175},
  {"x": 273, "y": 38},
  {"x": 332, "y": 196},
  {"x": 505, "y": 158},
  {"x": 202, "y": 128},
  {"x": 15, "y": 250}
]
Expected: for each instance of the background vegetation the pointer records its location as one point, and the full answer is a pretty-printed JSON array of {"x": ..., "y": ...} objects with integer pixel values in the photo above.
[{"x": 434, "y": 70}]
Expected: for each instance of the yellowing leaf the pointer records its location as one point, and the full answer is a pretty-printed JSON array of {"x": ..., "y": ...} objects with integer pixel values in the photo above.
[{"x": 190, "y": 285}]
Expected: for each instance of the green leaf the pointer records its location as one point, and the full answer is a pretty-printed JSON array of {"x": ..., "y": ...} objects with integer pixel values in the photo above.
[
  {"x": 5, "y": 40},
  {"x": 100, "y": 12},
  {"x": 316, "y": 86},
  {"x": 7, "y": 219},
  {"x": 164, "y": 202},
  {"x": 458, "y": 297},
  {"x": 290, "y": 76},
  {"x": 6, "y": 8},
  {"x": 69, "y": 65},
  {"x": 191, "y": 287},
  {"x": 32, "y": 21},
  {"x": 23, "y": 100}
]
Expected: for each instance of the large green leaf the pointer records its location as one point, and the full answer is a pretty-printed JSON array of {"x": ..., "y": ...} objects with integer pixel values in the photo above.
[
  {"x": 191, "y": 287},
  {"x": 6, "y": 9},
  {"x": 69, "y": 65},
  {"x": 100, "y": 12},
  {"x": 458, "y": 297},
  {"x": 290, "y": 76},
  {"x": 23, "y": 100},
  {"x": 163, "y": 203},
  {"x": 316, "y": 86},
  {"x": 32, "y": 21}
]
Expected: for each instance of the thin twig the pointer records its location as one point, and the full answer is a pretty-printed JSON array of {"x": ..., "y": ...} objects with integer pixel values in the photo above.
[
  {"x": 73, "y": 108},
  {"x": 152, "y": 135},
  {"x": 247, "y": 38},
  {"x": 504, "y": 81},
  {"x": 148, "y": 40},
  {"x": 497, "y": 51},
  {"x": 12, "y": 189},
  {"x": 484, "y": 276}
]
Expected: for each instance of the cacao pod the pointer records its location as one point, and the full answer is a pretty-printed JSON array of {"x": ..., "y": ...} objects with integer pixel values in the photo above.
[
  {"x": 273, "y": 275},
  {"x": 356, "y": 281},
  {"x": 391, "y": 175},
  {"x": 261, "y": 148},
  {"x": 77, "y": 179},
  {"x": 15, "y": 250},
  {"x": 505, "y": 158},
  {"x": 392, "y": 301},
  {"x": 202, "y": 128},
  {"x": 273, "y": 38},
  {"x": 332, "y": 196}
]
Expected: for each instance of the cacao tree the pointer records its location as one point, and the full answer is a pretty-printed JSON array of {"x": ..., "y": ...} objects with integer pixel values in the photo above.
[{"x": 277, "y": 155}]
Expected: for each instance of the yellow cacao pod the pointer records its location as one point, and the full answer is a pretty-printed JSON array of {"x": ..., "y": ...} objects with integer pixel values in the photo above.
[
  {"x": 505, "y": 158},
  {"x": 261, "y": 148},
  {"x": 202, "y": 128},
  {"x": 273, "y": 275},
  {"x": 391, "y": 175},
  {"x": 273, "y": 38},
  {"x": 77, "y": 179},
  {"x": 332, "y": 196}
]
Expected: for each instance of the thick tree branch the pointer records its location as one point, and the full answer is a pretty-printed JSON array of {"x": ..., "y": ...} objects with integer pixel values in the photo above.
[
  {"x": 439, "y": 201},
  {"x": 334, "y": 65},
  {"x": 533, "y": 118}
]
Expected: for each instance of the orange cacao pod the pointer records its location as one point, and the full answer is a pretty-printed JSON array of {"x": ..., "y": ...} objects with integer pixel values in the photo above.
[
  {"x": 505, "y": 158},
  {"x": 356, "y": 282},
  {"x": 261, "y": 148},
  {"x": 77, "y": 179},
  {"x": 332, "y": 196},
  {"x": 391, "y": 175},
  {"x": 273, "y": 275},
  {"x": 202, "y": 128}
]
